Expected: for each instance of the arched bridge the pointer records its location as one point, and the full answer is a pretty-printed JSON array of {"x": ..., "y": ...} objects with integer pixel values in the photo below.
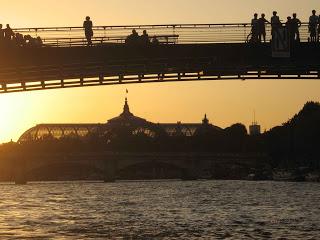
[
  {"x": 111, "y": 165},
  {"x": 187, "y": 52}
]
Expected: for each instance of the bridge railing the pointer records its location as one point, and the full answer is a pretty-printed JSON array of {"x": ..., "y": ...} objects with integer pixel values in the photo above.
[{"x": 175, "y": 34}]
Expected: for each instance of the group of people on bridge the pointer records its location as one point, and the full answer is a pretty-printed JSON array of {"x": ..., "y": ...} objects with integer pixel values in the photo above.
[
  {"x": 258, "y": 32},
  {"x": 143, "y": 40},
  {"x": 292, "y": 25},
  {"x": 132, "y": 39},
  {"x": 9, "y": 38}
]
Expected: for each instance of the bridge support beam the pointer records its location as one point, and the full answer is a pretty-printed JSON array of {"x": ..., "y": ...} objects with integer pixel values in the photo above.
[
  {"x": 189, "y": 175},
  {"x": 110, "y": 171},
  {"x": 191, "y": 172},
  {"x": 20, "y": 177}
]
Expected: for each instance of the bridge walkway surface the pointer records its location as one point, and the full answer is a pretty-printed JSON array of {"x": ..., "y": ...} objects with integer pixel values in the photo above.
[{"x": 187, "y": 53}]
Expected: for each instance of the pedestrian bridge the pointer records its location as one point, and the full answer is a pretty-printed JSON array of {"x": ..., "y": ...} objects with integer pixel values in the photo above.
[{"x": 186, "y": 52}]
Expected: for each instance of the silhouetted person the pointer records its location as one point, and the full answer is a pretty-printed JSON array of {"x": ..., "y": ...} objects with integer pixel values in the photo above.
[
  {"x": 133, "y": 39},
  {"x": 39, "y": 41},
  {"x": 26, "y": 39},
  {"x": 262, "y": 28},
  {"x": 87, "y": 25},
  {"x": 318, "y": 27},
  {"x": 155, "y": 41},
  {"x": 313, "y": 23},
  {"x": 8, "y": 33},
  {"x": 30, "y": 41},
  {"x": 144, "y": 38},
  {"x": 255, "y": 28},
  {"x": 20, "y": 40},
  {"x": 1, "y": 34},
  {"x": 275, "y": 23},
  {"x": 296, "y": 24},
  {"x": 290, "y": 28}
]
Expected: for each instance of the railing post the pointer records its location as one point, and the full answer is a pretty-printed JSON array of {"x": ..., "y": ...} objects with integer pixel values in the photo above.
[
  {"x": 101, "y": 78},
  {"x": 23, "y": 85},
  {"x": 61, "y": 76},
  {"x": 4, "y": 87},
  {"x": 81, "y": 81}
]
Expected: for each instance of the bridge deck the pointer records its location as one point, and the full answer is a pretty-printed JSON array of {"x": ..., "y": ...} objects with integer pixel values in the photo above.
[
  {"x": 32, "y": 68},
  {"x": 46, "y": 68}
]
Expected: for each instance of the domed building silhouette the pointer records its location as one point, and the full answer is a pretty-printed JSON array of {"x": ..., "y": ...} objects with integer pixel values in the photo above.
[{"x": 125, "y": 122}]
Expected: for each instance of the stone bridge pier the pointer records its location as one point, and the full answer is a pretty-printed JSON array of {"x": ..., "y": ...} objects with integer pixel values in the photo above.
[{"x": 110, "y": 170}]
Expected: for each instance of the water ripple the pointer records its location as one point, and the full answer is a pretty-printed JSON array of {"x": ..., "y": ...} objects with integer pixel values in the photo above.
[{"x": 161, "y": 210}]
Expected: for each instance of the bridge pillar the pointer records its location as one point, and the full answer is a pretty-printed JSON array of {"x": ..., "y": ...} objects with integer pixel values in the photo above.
[
  {"x": 191, "y": 171},
  {"x": 110, "y": 171},
  {"x": 189, "y": 175},
  {"x": 20, "y": 177}
]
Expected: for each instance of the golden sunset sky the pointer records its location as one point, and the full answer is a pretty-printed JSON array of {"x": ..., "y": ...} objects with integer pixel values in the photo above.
[{"x": 225, "y": 102}]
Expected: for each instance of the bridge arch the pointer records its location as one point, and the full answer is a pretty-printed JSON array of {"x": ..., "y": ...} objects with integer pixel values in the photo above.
[
  {"x": 151, "y": 170},
  {"x": 64, "y": 171}
]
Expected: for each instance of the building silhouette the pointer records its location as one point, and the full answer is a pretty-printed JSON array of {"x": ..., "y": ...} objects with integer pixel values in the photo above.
[
  {"x": 126, "y": 120},
  {"x": 254, "y": 128}
]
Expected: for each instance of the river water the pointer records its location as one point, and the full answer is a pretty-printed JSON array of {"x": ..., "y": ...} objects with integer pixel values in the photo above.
[{"x": 160, "y": 210}]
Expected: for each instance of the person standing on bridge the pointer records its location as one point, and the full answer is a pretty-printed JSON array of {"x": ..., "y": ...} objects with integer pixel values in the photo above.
[
  {"x": 318, "y": 28},
  {"x": 313, "y": 23},
  {"x": 133, "y": 39},
  {"x": 255, "y": 28},
  {"x": 144, "y": 38},
  {"x": 296, "y": 24},
  {"x": 275, "y": 23},
  {"x": 262, "y": 28},
  {"x": 8, "y": 33},
  {"x": 1, "y": 34},
  {"x": 87, "y": 25},
  {"x": 290, "y": 29}
]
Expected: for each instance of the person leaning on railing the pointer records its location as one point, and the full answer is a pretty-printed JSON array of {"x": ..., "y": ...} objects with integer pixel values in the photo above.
[
  {"x": 20, "y": 40},
  {"x": 144, "y": 38},
  {"x": 255, "y": 28},
  {"x": 155, "y": 41},
  {"x": 296, "y": 24},
  {"x": 262, "y": 28},
  {"x": 133, "y": 38}
]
